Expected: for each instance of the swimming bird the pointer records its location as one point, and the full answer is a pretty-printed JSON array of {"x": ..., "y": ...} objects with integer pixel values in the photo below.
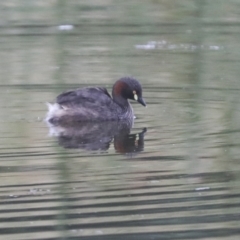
[{"x": 96, "y": 104}]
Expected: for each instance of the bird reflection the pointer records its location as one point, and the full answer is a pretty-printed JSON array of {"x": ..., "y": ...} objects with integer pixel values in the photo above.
[{"x": 98, "y": 136}]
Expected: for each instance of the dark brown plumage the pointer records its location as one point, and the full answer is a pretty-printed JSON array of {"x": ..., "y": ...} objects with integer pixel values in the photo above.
[{"x": 96, "y": 104}]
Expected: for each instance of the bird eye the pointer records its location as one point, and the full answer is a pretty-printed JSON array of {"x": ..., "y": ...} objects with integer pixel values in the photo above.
[{"x": 135, "y": 96}]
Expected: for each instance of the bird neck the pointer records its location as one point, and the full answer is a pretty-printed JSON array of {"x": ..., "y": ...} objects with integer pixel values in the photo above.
[{"x": 124, "y": 107}]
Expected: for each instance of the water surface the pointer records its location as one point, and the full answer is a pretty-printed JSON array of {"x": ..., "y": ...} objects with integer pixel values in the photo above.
[{"x": 174, "y": 174}]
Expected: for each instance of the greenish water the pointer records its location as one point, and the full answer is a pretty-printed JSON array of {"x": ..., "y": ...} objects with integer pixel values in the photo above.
[{"x": 176, "y": 176}]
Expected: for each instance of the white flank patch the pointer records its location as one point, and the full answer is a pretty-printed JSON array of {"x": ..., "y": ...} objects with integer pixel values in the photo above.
[{"x": 52, "y": 110}]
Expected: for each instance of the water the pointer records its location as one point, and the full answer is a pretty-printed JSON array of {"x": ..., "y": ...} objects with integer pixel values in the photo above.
[{"x": 176, "y": 175}]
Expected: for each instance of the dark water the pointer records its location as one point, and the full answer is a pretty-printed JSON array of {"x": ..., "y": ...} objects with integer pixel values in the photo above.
[{"x": 174, "y": 174}]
